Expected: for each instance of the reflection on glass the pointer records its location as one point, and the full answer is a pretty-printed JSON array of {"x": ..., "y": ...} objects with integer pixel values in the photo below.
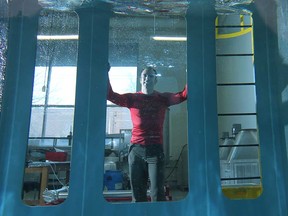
[
  {"x": 151, "y": 8},
  {"x": 50, "y": 137},
  {"x": 3, "y": 53},
  {"x": 237, "y": 114},
  {"x": 132, "y": 48}
]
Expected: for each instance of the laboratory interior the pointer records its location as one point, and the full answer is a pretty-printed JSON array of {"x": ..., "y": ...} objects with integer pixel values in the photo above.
[{"x": 63, "y": 144}]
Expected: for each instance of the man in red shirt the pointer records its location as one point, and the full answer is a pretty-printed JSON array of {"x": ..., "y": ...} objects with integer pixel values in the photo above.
[{"x": 146, "y": 158}]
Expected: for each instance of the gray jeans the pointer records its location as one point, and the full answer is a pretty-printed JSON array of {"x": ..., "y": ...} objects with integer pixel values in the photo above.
[{"x": 147, "y": 162}]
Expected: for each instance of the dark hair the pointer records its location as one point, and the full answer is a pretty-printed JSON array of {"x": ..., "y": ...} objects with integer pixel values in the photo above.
[{"x": 150, "y": 68}]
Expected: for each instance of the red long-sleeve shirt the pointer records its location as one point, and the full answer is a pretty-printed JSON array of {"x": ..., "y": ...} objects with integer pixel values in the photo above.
[{"x": 147, "y": 112}]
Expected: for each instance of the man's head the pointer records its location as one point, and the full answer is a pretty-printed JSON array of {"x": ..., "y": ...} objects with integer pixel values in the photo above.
[{"x": 148, "y": 77}]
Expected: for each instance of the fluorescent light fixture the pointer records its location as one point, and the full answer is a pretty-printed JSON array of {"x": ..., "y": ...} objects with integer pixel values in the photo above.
[
  {"x": 57, "y": 37},
  {"x": 166, "y": 38}
]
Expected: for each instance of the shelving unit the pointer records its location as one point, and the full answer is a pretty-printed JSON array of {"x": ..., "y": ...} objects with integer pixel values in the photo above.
[{"x": 44, "y": 171}]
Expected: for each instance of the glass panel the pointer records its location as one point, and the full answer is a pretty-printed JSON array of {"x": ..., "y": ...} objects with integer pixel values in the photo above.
[
  {"x": 117, "y": 118},
  {"x": 123, "y": 79},
  {"x": 286, "y": 138},
  {"x": 228, "y": 73},
  {"x": 243, "y": 97},
  {"x": 63, "y": 83},
  {"x": 50, "y": 137},
  {"x": 132, "y": 47},
  {"x": 36, "y": 122},
  {"x": 3, "y": 46},
  {"x": 237, "y": 114}
]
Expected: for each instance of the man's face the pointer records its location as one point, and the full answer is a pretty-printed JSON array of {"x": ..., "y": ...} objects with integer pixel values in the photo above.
[{"x": 148, "y": 78}]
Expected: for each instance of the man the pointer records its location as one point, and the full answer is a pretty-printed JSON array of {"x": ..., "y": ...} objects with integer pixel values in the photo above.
[{"x": 146, "y": 158}]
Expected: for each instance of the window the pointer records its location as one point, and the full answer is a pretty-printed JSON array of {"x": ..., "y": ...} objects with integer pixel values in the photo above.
[
  {"x": 237, "y": 114},
  {"x": 51, "y": 125},
  {"x": 123, "y": 80},
  {"x": 132, "y": 47},
  {"x": 53, "y": 102}
]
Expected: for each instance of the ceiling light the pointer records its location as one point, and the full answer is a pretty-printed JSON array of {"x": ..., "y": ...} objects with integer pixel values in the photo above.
[
  {"x": 57, "y": 37},
  {"x": 166, "y": 38}
]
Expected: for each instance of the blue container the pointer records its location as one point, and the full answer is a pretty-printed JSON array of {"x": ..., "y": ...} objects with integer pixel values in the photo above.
[{"x": 113, "y": 180}]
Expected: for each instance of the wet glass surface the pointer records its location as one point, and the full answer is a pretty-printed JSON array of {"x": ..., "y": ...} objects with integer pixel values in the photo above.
[
  {"x": 153, "y": 17},
  {"x": 3, "y": 45},
  {"x": 239, "y": 145},
  {"x": 150, "y": 7},
  {"x": 132, "y": 46},
  {"x": 47, "y": 170},
  {"x": 135, "y": 8}
]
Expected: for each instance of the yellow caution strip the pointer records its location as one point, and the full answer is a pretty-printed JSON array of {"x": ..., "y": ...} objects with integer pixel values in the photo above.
[{"x": 242, "y": 31}]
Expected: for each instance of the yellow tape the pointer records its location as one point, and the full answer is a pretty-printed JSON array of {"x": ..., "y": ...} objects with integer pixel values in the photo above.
[{"x": 242, "y": 31}]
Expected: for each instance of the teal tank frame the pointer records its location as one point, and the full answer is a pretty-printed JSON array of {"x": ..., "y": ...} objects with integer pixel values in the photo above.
[{"x": 205, "y": 197}]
